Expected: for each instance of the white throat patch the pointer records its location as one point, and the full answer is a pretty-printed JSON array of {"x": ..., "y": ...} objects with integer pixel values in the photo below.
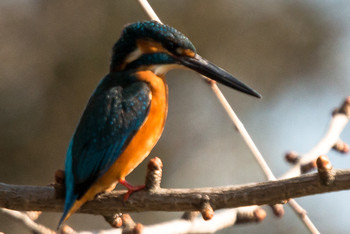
[
  {"x": 133, "y": 56},
  {"x": 162, "y": 69}
]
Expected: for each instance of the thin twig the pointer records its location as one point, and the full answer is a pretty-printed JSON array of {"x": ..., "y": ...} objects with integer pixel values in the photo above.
[
  {"x": 303, "y": 216},
  {"x": 241, "y": 129},
  {"x": 149, "y": 10}
]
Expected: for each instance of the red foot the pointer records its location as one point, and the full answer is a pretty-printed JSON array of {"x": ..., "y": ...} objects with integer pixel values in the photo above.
[{"x": 130, "y": 188}]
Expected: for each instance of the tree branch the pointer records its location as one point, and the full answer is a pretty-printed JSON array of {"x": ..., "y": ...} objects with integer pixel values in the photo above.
[{"x": 43, "y": 198}]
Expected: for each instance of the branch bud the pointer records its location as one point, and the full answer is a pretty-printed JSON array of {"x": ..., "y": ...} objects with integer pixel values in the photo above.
[
  {"x": 206, "y": 209},
  {"x": 114, "y": 220},
  {"x": 308, "y": 167},
  {"x": 278, "y": 210},
  {"x": 251, "y": 216},
  {"x": 325, "y": 171},
  {"x": 154, "y": 174},
  {"x": 292, "y": 157},
  {"x": 138, "y": 229},
  {"x": 344, "y": 109},
  {"x": 341, "y": 147},
  {"x": 59, "y": 177}
]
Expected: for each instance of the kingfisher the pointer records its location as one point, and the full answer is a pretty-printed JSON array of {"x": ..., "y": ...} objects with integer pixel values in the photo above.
[{"x": 126, "y": 113}]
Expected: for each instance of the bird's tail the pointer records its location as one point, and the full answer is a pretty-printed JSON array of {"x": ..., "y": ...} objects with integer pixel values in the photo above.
[{"x": 71, "y": 205}]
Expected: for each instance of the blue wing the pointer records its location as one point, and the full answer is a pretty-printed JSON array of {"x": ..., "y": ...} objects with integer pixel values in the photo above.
[{"x": 114, "y": 113}]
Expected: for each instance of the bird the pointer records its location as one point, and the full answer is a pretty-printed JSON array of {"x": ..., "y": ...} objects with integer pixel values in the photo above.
[{"x": 125, "y": 115}]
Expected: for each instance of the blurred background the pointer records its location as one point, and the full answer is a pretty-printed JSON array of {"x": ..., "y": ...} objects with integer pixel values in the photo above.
[{"x": 295, "y": 53}]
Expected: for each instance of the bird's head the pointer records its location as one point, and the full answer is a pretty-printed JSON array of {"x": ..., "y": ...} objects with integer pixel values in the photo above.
[{"x": 149, "y": 45}]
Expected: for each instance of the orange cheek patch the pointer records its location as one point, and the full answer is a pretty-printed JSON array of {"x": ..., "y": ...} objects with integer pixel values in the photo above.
[
  {"x": 189, "y": 53},
  {"x": 186, "y": 52},
  {"x": 150, "y": 46}
]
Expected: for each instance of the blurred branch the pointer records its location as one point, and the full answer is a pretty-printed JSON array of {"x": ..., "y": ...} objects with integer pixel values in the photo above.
[
  {"x": 25, "y": 198},
  {"x": 223, "y": 219},
  {"x": 306, "y": 162},
  {"x": 337, "y": 124},
  {"x": 26, "y": 221}
]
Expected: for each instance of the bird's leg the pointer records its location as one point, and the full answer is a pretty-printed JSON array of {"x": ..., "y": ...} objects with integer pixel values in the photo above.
[{"x": 131, "y": 188}]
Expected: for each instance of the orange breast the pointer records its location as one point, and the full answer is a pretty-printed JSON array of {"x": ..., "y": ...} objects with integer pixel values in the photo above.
[{"x": 146, "y": 137}]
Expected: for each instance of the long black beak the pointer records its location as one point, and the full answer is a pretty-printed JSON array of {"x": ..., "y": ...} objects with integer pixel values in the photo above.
[{"x": 206, "y": 68}]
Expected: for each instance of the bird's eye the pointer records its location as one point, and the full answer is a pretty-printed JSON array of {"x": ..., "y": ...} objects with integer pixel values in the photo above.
[{"x": 171, "y": 46}]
